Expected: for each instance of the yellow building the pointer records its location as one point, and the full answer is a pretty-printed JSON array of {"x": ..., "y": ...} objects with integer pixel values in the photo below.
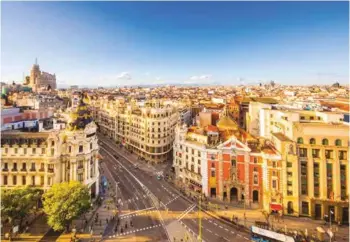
[
  {"x": 314, "y": 146},
  {"x": 146, "y": 129}
]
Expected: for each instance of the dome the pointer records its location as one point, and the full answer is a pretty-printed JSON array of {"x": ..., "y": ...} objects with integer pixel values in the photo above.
[
  {"x": 226, "y": 123},
  {"x": 80, "y": 117}
]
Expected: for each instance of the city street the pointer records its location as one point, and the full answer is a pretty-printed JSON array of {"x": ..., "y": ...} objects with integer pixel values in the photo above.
[{"x": 171, "y": 205}]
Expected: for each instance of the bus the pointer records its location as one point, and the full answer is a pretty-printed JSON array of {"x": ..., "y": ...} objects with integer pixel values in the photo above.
[{"x": 264, "y": 235}]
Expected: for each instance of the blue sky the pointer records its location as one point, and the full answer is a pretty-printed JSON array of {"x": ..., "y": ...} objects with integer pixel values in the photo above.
[{"x": 119, "y": 43}]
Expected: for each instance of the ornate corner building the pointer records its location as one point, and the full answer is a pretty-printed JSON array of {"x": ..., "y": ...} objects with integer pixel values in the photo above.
[{"x": 52, "y": 151}]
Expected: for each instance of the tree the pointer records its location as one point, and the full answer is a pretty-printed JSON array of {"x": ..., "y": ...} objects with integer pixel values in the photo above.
[
  {"x": 17, "y": 203},
  {"x": 65, "y": 202},
  {"x": 266, "y": 216}
]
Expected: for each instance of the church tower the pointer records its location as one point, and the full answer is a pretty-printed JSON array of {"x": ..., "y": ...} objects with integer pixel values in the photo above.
[{"x": 34, "y": 75}]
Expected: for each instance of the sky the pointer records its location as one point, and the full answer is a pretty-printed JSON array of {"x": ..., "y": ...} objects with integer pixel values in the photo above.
[{"x": 131, "y": 43}]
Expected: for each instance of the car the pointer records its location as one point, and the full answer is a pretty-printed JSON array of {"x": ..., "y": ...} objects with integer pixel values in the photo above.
[
  {"x": 115, "y": 156},
  {"x": 135, "y": 166}
]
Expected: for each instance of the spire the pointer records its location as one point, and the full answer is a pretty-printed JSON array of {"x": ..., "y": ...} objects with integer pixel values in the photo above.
[{"x": 36, "y": 61}]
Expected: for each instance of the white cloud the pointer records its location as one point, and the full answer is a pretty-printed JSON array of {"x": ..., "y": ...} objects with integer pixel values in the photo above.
[
  {"x": 124, "y": 76},
  {"x": 147, "y": 73},
  {"x": 158, "y": 78},
  {"x": 202, "y": 77}
]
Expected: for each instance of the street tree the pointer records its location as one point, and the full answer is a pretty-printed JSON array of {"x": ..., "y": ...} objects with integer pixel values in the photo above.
[
  {"x": 18, "y": 202},
  {"x": 65, "y": 202}
]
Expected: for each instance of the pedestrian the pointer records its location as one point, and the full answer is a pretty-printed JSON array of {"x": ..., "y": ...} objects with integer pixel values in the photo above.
[
  {"x": 126, "y": 226},
  {"x": 106, "y": 220},
  {"x": 116, "y": 229},
  {"x": 100, "y": 222}
]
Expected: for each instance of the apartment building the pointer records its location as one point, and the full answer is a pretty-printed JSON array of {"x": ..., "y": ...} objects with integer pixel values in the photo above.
[
  {"x": 144, "y": 128},
  {"x": 56, "y": 152},
  {"x": 315, "y": 148}
]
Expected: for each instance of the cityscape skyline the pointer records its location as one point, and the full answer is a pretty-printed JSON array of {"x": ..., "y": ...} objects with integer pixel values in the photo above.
[{"x": 227, "y": 43}]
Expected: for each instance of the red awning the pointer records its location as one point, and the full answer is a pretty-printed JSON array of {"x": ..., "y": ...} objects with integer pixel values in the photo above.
[{"x": 275, "y": 206}]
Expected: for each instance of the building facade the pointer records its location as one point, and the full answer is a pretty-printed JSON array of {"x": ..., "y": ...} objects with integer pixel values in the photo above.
[
  {"x": 315, "y": 149},
  {"x": 224, "y": 162},
  {"x": 57, "y": 152},
  {"x": 146, "y": 129}
]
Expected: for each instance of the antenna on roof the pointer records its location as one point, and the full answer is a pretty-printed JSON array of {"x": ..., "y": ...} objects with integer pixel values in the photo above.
[{"x": 36, "y": 60}]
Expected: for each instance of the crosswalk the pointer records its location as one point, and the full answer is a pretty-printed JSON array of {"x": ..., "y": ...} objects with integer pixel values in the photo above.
[
  {"x": 137, "y": 214},
  {"x": 134, "y": 231},
  {"x": 172, "y": 200}
]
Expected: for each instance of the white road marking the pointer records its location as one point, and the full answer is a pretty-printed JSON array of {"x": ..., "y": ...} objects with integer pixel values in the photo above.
[
  {"x": 210, "y": 231},
  {"x": 226, "y": 229},
  {"x": 220, "y": 226},
  {"x": 246, "y": 238},
  {"x": 239, "y": 235}
]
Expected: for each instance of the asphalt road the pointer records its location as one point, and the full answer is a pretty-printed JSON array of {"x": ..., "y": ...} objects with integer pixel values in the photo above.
[
  {"x": 146, "y": 224},
  {"x": 172, "y": 205}
]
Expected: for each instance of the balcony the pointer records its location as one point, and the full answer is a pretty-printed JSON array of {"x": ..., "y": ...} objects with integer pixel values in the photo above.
[
  {"x": 14, "y": 169},
  {"x": 5, "y": 169},
  {"x": 41, "y": 170},
  {"x": 23, "y": 170},
  {"x": 32, "y": 169},
  {"x": 50, "y": 170}
]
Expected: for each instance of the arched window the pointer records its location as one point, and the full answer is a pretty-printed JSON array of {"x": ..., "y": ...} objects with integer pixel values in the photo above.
[
  {"x": 300, "y": 140},
  {"x": 312, "y": 141},
  {"x": 337, "y": 142},
  {"x": 325, "y": 142}
]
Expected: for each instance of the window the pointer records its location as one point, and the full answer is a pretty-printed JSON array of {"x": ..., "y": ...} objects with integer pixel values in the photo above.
[
  {"x": 212, "y": 173},
  {"x": 25, "y": 151},
  {"x": 305, "y": 208},
  {"x": 316, "y": 180},
  {"x": 330, "y": 181},
  {"x": 212, "y": 165},
  {"x": 304, "y": 189},
  {"x": 16, "y": 150},
  {"x": 80, "y": 148},
  {"x": 24, "y": 166},
  {"x": 199, "y": 154},
  {"x": 274, "y": 184},
  {"x": 233, "y": 163},
  {"x": 274, "y": 164},
  {"x": 14, "y": 180},
  {"x": 337, "y": 142},
  {"x": 90, "y": 146},
  {"x": 42, "y": 181},
  {"x": 52, "y": 151},
  {"x": 5, "y": 166},
  {"x": 52, "y": 143},
  {"x": 80, "y": 177},
  {"x": 255, "y": 179},
  {"x": 33, "y": 167},
  {"x": 199, "y": 161},
  {"x": 5, "y": 180},
  {"x": 49, "y": 181},
  {"x": 289, "y": 164},
  {"x": 303, "y": 152},
  {"x": 312, "y": 141},
  {"x": 343, "y": 182},
  {"x": 315, "y": 153},
  {"x": 342, "y": 155},
  {"x": 43, "y": 151},
  {"x": 300, "y": 140},
  {"x": 329, "y": 154},
  {"x": 325, "y": 142},
  {"x": 69, "y": 149},
  {"x": 14, "y": 167},
  {"x": 255, "y": 169},
  {"x": 24, "y": 179}
]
